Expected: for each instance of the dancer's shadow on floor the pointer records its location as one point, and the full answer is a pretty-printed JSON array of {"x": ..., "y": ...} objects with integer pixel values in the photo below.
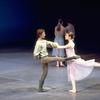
[
  {"x": 28, "y": 89},
  {"x": 91, "y": 89}
]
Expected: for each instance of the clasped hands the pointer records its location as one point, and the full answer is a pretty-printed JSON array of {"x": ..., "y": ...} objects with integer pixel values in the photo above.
[{"x": 58, "y": 46}]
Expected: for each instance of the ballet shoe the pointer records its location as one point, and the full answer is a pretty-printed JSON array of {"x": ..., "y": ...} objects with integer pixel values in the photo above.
[
  {"x": 57, "y": 65},
  {"x": 62, "y": 65},
  {"x": 72, "y": 91}
]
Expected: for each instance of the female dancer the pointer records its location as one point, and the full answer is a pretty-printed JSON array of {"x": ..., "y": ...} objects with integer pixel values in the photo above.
[
  {"x": 76, "y": 68},
  {"x": 59, "y": 38}
]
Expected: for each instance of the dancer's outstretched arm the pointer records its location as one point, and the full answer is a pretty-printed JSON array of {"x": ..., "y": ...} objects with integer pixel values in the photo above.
[{"x": 63, "y": 47}]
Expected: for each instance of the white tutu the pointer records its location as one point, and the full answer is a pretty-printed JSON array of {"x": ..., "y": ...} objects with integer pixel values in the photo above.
[{"x": 79, "y": 68}]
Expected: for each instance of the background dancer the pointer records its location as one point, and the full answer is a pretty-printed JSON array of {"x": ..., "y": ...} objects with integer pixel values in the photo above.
[{"x": 59, "y": 38}]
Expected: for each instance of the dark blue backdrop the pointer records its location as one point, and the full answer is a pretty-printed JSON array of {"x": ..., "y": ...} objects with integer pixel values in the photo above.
[
  {"x": 16, "y": 20},
  {"x": 19, "y": 20}
]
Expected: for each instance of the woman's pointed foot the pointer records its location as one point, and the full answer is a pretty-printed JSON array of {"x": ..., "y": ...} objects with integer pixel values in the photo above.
[{"x": 72, "y": 91}]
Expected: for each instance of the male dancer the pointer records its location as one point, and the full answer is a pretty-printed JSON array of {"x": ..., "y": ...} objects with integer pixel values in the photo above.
[
  {"x": 40, "y": 52},
  {"x": 70, "y": 27}
]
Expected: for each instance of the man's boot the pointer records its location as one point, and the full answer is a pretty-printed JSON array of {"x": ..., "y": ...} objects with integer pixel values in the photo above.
[
  {"x": 41, "y": 86},
  {"x": 72, "y": 57}
]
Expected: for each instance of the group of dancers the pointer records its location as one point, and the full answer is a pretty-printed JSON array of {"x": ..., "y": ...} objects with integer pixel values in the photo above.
[
  {"x": 75, "y": 65},
  {"x": 59, "y": 33}
]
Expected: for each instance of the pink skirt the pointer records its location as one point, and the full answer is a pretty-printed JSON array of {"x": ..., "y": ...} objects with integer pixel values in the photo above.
[{"x": 79, "y": 68}]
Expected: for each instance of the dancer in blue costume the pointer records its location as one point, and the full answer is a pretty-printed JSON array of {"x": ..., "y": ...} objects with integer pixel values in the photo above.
[{"x": 59, "y": 38}]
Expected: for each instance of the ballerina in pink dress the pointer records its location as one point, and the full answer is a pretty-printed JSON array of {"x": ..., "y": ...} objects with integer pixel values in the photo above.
[{"x": 77, "y": 69}]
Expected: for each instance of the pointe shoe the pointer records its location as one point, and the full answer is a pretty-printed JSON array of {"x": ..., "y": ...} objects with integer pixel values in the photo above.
[
  {"x": 72, "y": 91},
  {"x": 62, "y": 65},
  {"x": 57, "y": 65}
]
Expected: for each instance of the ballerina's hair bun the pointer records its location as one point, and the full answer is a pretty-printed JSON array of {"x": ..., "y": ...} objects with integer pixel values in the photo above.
[{"x": 71, "y": 34}]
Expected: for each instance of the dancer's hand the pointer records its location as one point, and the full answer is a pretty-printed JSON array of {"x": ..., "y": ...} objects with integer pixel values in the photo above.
[{"x": 57, "y": 45}]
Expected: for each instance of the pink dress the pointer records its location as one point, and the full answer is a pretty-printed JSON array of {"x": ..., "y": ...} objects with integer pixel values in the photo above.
[{"x": 78, "y": 68}]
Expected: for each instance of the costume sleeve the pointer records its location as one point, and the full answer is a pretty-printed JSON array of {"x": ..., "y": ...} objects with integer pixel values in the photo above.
[
  {"x": 51, "y": 44},
  {"x": 71, "y": 45},
  {"x": 37, "y": 51}
]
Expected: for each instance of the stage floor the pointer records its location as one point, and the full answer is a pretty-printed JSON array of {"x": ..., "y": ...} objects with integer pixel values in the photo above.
[{"x": 20, "y": 74}]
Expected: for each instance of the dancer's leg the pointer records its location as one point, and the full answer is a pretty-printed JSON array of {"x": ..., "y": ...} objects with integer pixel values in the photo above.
[
  {"x": 45, "y": 71},
  {"x": 72, "y": 80},
  {"x": 44, "y": 74},
  {"x": 57, "y": 64},
  {"x": 61, "y": 63},
  {"x": 53, "y": 59},
  {"x": 73, "y": 90},
  {"x": 57, "y": 56}
]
